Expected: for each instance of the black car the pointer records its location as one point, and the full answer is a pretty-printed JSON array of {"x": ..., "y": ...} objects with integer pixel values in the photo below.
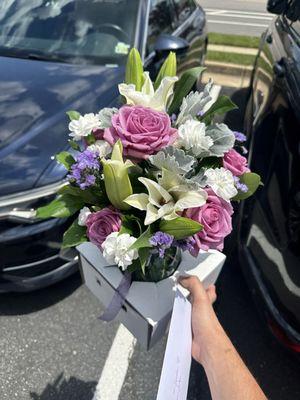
[
  {"x": 57, "y": 56},
  {"x": 269, "y": 231}
]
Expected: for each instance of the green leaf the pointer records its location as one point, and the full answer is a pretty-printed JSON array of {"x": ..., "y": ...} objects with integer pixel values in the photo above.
[
  {"x": 134, "y": 69},
  {"x": 180, "y": 227},
  {"x": 74, "y": 145},
  {"x": 184, "y": 86},
  {"x": 87, "y": 195},
  {"x": 168, "y": 68},
  {"x": 73, "y": 115},
  {"x": 221, "y": 106},
  {"x": 63, "y": 206},
  {"x": 143, "y": 257},
  {"x": 75, "y": 235},
  {"x": 253, "y": 181},
  {"x": 143, "y": 240},
  {"x": 210, "y": 162},
  {"x": 66, "y": 159},
  {"x": 130, "y": 224}
]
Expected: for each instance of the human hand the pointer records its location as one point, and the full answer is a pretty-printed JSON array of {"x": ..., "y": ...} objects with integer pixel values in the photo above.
[{"x": 205, "y": 324}]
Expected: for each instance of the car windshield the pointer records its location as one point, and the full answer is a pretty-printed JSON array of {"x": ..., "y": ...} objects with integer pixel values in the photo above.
[{"x": 74, "y": 31}]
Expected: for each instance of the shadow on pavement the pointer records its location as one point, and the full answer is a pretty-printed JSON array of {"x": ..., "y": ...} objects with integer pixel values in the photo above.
[
  {"x": 66, "y": 389},
  {"x": 26, "y": 303}
]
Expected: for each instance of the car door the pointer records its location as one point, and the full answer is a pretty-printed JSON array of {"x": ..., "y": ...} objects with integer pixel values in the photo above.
[
  {"x": 180, "y": 18},
  {"x": 271, "y": 221}
]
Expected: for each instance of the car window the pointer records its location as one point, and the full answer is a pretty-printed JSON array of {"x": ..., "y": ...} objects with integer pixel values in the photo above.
[
  {"x": 184, "y": 8},
  {"x": 76, "y": 31},
  {"x": 161, "y": 20}
]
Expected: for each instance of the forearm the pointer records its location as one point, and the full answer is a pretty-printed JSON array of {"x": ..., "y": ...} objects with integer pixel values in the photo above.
[{"x": 228, "y": 377}]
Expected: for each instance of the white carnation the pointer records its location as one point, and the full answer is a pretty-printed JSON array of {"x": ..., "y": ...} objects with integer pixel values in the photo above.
[
  {"x": 83, "y": 214},
  {"x": 222, "y": 182},
  {"x": 105, "y": 115},
  {"x": 83, "y": 126},
  {"x": 191, "y": 136},
  {"x": 102, "y": 147},
  {"x": 116, "y": 249}
]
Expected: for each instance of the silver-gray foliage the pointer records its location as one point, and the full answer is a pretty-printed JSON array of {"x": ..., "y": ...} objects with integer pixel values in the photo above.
[
  {"x": 173, "y": 159},
  {"x": 223, "y": 139},
  {"x": 194, "y": 103}
]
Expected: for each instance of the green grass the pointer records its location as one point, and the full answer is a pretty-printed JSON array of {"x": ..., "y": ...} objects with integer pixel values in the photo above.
[
  {"x": 233, "y": 40},
  {"x": 232, "y": 58}
]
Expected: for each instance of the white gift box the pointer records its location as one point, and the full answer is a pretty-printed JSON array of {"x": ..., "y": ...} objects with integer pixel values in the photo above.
[{"x": 148, "y": 307}]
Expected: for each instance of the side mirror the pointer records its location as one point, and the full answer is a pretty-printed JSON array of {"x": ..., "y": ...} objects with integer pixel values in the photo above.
[
  {"x": 166, "y": 43},
  {"x": 277, "y": 6}
]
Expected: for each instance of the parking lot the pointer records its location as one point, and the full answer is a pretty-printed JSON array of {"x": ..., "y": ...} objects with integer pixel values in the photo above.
[{"x": 53, "y": 345}]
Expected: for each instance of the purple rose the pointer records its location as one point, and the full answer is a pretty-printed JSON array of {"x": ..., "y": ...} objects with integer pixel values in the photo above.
[
  {"x": 235, "y": 163},
  {"x": 101, "y": 223},
  {"x": 215, "y": 216},
  {"x": 142, "y": 131}
]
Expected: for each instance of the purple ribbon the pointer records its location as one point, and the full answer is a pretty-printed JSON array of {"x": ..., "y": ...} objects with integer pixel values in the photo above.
[{"x": 118, "y": 299}]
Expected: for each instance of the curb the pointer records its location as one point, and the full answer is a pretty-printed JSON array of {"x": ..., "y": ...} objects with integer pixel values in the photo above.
[{"x": 228, "y": 69}]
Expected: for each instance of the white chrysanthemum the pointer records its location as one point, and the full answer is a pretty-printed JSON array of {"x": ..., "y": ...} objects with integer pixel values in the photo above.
[
  {"x": 222, "y": 182},
  {"x": 116, "y": 249},
  {"x": 105, "y": 115},
  {"x": 83, "y": 214},
  {"x": 83, "y": 126},
  {"x": 102, "y": 147},
  {"x": 191, "y": 136}
]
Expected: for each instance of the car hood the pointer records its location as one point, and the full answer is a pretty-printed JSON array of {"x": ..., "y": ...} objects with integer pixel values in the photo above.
[{"x": 34, "y": 98}]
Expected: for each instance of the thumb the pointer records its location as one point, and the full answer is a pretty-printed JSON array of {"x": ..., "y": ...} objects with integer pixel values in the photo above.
[{"x": 195, "y": 287}]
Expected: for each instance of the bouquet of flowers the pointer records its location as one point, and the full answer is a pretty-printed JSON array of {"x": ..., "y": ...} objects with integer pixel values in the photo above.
[{"x": 155, "y": 176}]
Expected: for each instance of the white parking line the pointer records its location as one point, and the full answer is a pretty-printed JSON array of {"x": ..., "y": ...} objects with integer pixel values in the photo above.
[
  {"x": 268, "y": 15},
  {"x": 227, "y": 15},
  {"x": 236, "y": 23},
  {"x": 116, "y": 365}
]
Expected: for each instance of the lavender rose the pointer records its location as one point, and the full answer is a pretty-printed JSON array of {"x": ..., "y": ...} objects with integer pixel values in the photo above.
[
  {"x": 142, "y": 131},
  {"x": 215, "y": 216},
  {"x": 235, "y": 163},
  {"x": 101, "y": 223}
]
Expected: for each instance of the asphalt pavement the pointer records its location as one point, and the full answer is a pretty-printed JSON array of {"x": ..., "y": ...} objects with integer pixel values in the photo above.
[{"x": 240, "y": 17}]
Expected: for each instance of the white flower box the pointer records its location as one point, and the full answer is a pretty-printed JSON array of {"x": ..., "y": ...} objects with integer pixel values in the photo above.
[{"x": 148, "y": 306}]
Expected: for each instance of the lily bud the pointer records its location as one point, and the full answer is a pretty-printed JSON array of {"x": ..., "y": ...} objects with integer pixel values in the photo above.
[
  {"x": 134, "y": 69},
  {"x": 168, "y": 68},
  {"x": 117, "y": 183}
]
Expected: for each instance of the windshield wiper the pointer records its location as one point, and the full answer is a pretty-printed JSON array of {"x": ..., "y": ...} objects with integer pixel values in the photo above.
[{"x": 44, "y": 57}]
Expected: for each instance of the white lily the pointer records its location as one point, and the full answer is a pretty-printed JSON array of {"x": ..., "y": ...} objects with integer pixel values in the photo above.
[
  {"x": 166, "y": 198},
  {"x": 148, "y": 97}
]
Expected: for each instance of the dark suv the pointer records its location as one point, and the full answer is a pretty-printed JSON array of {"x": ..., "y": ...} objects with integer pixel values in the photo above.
[
  {"x": 269, "y": 234},
  {"x": 57, "y": 56}
]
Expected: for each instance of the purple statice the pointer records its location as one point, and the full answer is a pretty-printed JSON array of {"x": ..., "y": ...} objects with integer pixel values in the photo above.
[
  {"x": 161, "y": 241},
  {"x": 200, "y": 113},
  {"x": 187, "y": 244},
  {"x": 84, "y": 170},
  {"x": 173, "y": 117},
  {"x": 240, "y": 186},
  {"x": 240, "y": 137}
]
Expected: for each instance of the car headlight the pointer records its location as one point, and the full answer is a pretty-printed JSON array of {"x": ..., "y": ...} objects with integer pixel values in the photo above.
[{"x": 20, "y": 207}]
